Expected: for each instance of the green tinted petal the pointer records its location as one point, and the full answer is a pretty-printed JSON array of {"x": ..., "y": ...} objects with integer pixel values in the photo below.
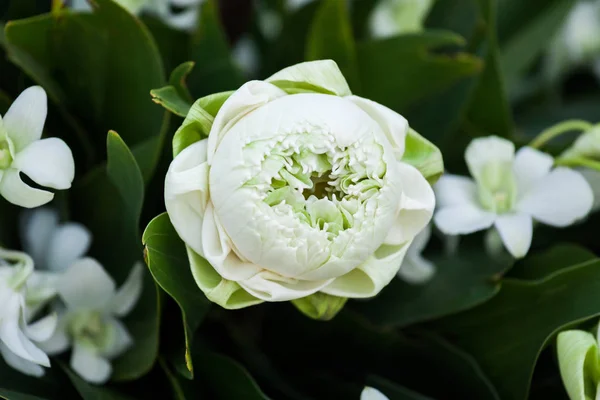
[
  {"x": 228, "y": 294},
  {"x": 424, "y": 156},
  {"x": 321, "y": 76},
  {"x": 578, "y": 362},
  {"x": 199, "y": 120},
  {"x": 320, "y": 305}
]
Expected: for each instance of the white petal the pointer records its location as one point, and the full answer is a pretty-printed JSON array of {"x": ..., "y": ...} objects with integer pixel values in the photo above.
[
  {"x": 530, "y": 166},
  {"x": 48, "y": 162},
  {"x": 369, "y": 278},
  {"x": 85, "y": 284},
  {"x": 13, "y": 189},
  {"x": 89, "y": 365},
  {"x": 185, "y": 20},
  {"x": 246, "y": 55},
  {"x": 454, "y": 190},
  {"x": 42, "y": 329},
  {"x": 370, "y": 393},
  {"x": 69, "y": 243},
  {"x": 37, "y": 227},
  {"x": 41, "y": 287},
  {"x": 488, "y": 149},
  {"x": 420, "y": 241},
  {"x": 559, "y": 199},
  {"x": 59, "y": 341},
  {"x": 416, "y": 270},
  {"x": 592, "y": 177},
  {"x": 186, "y": 193},
  {"x": 269, "y": 286},
  {"x": 416, "y": 206},
  {"x": 20, "y": 364},
  {"x": 24, "y": 120},
  {"x": 218, "y": 252},
  {"x": 393, "y": 124},
  {"x": 249, "y": 97},
  {"x": 121, "y": 341},
  {"x": 129, "y": 293},
  {"x": 516, "y": 231},
  {"x": 322, "y": 73},
  {"x": 462, "y": 220},
  {"x": 14, "y": 338}
]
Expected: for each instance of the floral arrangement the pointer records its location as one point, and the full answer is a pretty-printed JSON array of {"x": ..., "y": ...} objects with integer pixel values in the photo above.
[{"x": 361, "y": 199}]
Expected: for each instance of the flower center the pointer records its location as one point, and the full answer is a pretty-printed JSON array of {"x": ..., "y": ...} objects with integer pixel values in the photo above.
[
  {"x": 89, "y": 327},
  {"x": 497, "y": 187},
  {"x": 321, "y": 184},
  {"x": 5, "y": 157}
]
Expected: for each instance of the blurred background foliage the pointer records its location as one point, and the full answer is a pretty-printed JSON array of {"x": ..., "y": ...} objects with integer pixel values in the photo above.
[{"x": 481, "y": 329}]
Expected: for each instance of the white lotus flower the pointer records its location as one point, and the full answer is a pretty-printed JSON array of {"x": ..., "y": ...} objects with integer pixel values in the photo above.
[
  {"x": 184, "y": 19},
  {"x": 53, "y": 246},
  {"x": 370, "y": 393},
  {"x": 508, "y": 192},
  {"x": 296, "y": 191},
  {"x": 89, "y": 321},
  {"x": 415, "y": 269},
  {"x": 20, "y": 288},
  {"x": 48, "y": 162},
  {"x": 395, "y": 17}
]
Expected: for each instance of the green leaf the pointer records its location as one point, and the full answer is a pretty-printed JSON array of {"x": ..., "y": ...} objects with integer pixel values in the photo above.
[
  {"x": 489, "y": 111},
  {"x": 578, "y": 360},
  {"x": 540, "y": 265},
  {"x": 461, "y": 282},
  {"x": 175, "y": 97},
  {"x": 117, "y": 64},
  {"x": 108, "y": 201},
  {"x": 384, "y": 66},
  {"x": 507, "y": 334},
  {"x": 524, "y": 30},
  {"x": 167, "y": 260},
  {"x": 424, "y": 156},
  {"x": 214, "y": 71},
  {"x": 320, "y": 306},
  {"x": 330, "y": 37},
  {"x": 17, "y": 386}
]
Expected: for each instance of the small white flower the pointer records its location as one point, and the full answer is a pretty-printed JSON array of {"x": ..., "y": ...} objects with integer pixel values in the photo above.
[
  {"x": 415, "y": 269},
  {"x": 370, "y": 393},
  {"x": 53, "y": 246},
  {"x": 88, "y": 323},
  {"x": 508, "y": 192},
  {"x": 246, "y": 56},
  {"x": 21, "y": 288},
  {"x": 48, "y": 162}
]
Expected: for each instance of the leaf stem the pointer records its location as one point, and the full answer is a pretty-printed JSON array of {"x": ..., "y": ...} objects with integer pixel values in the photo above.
[
  {"x": 578, "y": 162},
  {"x": 559, "y": 129}
]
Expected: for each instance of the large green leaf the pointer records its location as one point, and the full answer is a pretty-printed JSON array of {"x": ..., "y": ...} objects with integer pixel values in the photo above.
[
  {"x": 540, "y": 265},
  {"x": 108, "y": 201},
  {"x": 401, "y": 71},
  {"x": 17, "y": 386},
  {"x": 167, "y": 260},
  {"x": 88, "y": 391},
  {"x": 214, "y": 71},
  {"x": 507, "y": 334},
  {"x": 330, "y": 37},
  {"x": 461, "y": 281},
  {"x": 99, "y": 66}
]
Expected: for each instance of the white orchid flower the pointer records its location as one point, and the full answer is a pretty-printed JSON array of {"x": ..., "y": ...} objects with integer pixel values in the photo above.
[
  {"x": 415, "y": 269},
  {"x": 300, "y": 188},
  {"x": 53, "y": 246},
  {"x": 89, "y": 321},
  {"x": 21, "y": 288},
  {"x": 370, "y": 393},
  {"x": 395, "y": 17},
  {"x": 508, "y": 192},
  {"x": 184, "y": 19},
  {"x": 47, "y": 162}
]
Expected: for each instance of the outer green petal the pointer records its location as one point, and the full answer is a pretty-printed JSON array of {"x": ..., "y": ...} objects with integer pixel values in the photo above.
[
  {"x": 227, "y": 294},
  {"x": 198, "y": 121},
  {"x": 321, "y": 76},
  {"x": 424, "y": 156},
  {"x": 320, "y": 306},
  {"x": 578, "y": 362}
]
